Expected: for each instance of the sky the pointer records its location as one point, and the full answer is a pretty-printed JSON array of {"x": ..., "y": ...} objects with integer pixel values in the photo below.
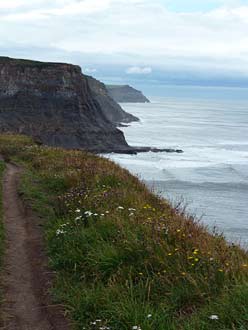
[{"x": 203, "y": 42}]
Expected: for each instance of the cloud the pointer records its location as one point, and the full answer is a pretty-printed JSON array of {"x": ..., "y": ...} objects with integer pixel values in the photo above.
[
  {"x": 140, "y": 35},
  {"x": 89, "y": 70},
  {"x": 139, "y": 70}
]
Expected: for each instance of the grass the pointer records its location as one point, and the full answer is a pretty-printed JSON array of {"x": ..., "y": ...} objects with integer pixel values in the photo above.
[
  {"x": 2, "y": 167},
  {"x": 124, "y": 258}
]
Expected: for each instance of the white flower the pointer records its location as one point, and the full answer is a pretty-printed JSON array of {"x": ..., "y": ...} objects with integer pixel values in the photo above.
[
  {"x": 107, "y": 212},
  {"x": 78, "y": 218},
  {"x": 131, "y": 214},
  {"x": 131, "y": 209},
  {"x": 78, "y": 211},
  {"x": 60, "y": 231},
  {"x": 214, "y": 317},
  {"x": 95, "y": 214},
  {"x": 136, "y": 327},
  {"x": 149, "y": 316},
  {"x": 88, "y": 213},
  {"x": 120, "y": 208},
  {"x": 102, "y": 215}
]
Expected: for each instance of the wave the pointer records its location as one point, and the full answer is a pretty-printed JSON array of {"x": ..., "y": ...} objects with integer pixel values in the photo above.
[{"x": 199, "y": 185}]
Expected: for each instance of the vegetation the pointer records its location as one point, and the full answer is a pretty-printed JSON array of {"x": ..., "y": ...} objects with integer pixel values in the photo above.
[
  {"x": 30, "y": 63},
  {"x": 124, "y": 258},
  {"x": 2, "y": 166}
]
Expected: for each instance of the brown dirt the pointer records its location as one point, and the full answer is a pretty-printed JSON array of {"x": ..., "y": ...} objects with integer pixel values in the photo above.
[{"x": 26, "y": 278}]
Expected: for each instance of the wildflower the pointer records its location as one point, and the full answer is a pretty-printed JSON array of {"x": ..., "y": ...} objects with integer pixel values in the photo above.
[
  {"x": 88, "y": 213},
  {"x": 183, "y": 273},
  {"x": 131, "y": 209},
  {"x": 78, "y": 211},
  {"x": 149, "y": 316},
  {"x": 245, "y": 265},
  {"x": 95, "y": 214},
  {"x": 176, "y": 249},
  {"x": 59, "y": 232},
  {"x": 120, "y": 208},
  {"x": 211, "y": 259},
  {"x": 220, "y": 270},
  {"x": 214, "y": 317},
  {"x": 131, "y": 214},
  {"x": 196, "y": 259},
  {"x": 178, "y": 230},
  {"x": 78, "y": 218},
  {"x": 170, "y": 254},
  {"x": 102, "y": 215},
  {"x": 107, "y": 212},
  {"x": 140, "y": 274}
]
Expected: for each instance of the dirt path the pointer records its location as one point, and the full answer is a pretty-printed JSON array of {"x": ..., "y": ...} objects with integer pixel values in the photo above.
[{"x": 26, "y": 278}]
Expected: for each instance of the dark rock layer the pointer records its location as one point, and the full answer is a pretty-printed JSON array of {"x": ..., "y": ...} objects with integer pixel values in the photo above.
[
  {"x": 126, "y": 94},
  {"x": 111, "y": 109},
  {"x": 53, "y": 103}
]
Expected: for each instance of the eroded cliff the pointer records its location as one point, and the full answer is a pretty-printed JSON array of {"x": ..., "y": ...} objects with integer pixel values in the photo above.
[
  {"x": 111, "y": 109},
  {"x": 126, "y": 93},
  {"x": 53, "y": 103}
]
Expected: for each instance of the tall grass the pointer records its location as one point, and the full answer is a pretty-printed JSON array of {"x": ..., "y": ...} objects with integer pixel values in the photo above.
[
  {"x": 2, "y": 167},
  {"x": 124, "y": 258}
]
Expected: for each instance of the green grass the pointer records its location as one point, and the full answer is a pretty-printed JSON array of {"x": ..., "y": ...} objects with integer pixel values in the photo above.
[
  {"x": 123, "y": 255},
  {"x": 2, "y": 167}
]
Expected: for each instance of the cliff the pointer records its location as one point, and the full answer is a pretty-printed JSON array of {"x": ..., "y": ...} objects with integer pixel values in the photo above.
[
  {"x": 54, "y": 103},
  {"x": 126, "y": 94},
  {"x": 111, "y": 109}
]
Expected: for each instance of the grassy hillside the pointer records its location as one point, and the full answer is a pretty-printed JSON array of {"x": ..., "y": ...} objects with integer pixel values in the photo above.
[
  {"x": 2, "y": 166},
  {"x": 124, "y": 258}
]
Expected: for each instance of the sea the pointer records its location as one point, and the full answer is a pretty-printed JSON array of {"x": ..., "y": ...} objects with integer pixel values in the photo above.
[{"x": 211, "y": 177}]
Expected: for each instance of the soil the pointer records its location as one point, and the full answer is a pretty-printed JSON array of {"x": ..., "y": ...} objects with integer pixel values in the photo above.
[{"x": 26, "y": 278}]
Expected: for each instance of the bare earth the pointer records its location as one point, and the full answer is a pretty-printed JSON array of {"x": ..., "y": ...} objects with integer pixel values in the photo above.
[{"x": 26, "y": 278}]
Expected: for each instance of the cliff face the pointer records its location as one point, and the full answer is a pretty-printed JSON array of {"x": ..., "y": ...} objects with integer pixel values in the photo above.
[
  {"x": 111, "y": 109},
  {"x": 53, "y": 103},
  {"x": 126, "y": 94}
]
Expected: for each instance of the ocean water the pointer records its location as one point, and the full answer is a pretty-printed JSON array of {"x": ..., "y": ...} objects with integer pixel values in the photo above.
[{"x": 211, "y": 176}]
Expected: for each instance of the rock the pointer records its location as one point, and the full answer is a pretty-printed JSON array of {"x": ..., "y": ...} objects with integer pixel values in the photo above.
[
  {"x": 126, "y": 94},
  {"x": 153, "y": 149},
  {"x": 111, "y": 109},
  {"x": 54, "y": 103}
]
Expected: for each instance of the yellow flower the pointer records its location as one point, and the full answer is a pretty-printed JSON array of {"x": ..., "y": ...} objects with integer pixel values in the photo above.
[
  {"x": 170, "y": 254},
  {"x": 220, "y": 270},
  {"x": 183, "y": 273},
  {"x": 140, "y": 274},
  {"x": 196, "y": 259},
  {"x": 192, "y": 264},
  {"x": 190, "y": 258},
  {"x": 227, "y": 264},
  {"x": 245, "y": 265},
  {"x": 178, "y": 230}
]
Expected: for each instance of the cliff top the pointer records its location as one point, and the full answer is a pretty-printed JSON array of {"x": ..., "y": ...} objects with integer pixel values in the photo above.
[{"x": 32, "y": 63}]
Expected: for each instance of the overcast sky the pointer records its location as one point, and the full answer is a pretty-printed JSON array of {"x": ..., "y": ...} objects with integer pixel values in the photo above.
[{"x": 158, "y": 40}]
